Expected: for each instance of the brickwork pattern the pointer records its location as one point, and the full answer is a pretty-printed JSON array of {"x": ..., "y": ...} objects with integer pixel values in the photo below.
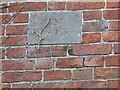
[{"x": 92, "y": 63}]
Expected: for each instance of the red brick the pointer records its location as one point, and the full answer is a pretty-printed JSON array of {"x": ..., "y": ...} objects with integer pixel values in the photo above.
[
  {"x": 14, "y": 41},
  {"x": 48, "y": 85},
  {"x": 46, "y": 51},
  {"x": 111, "y": 36},
  {"x": 90, "y": 49},
  {"x": 21, "y": 18},
  {"x": 18, "y": 64},
  {"x": 5, "y": 19},
  {"x": 91, "y": 37},
  {"x": 38, "y": 85},
  {"x": 57, "y": 75},
  {"x": 69, "y": 63},
  {"x": 4, "y": 8},
  {"x": 114, "y": 26},
  {"x": 94, "y": 26},
  {"x": 112, "y": 60},
  {"x": 113, "y": 83},
  {"x": 1, "y": 41},
  {"x": 4, "y": 87},
  {"x": 92, "y": 15},
  {"x": 108, "y": 14},
  {"x": 15, "y": 52},
  {"x": 2, "y": 29},
  {"x": 84, "y": 74},
  {"x": 84, "y": 5},
  {"x": 6, "y": 1},
  {"x": 2, "y": 53},
  {"x": 86, "y": 84},
  {"x": 19, "y": 86},
  {"x": 28, "y": 6},
  {"x": 96, "y": 61},
  {"x": 21, "y": 76},
  {"x": 56, "y": 5},
  {"x": 44, "y": 63},
  {"x": 17, "y": 30},
  {"x": 117, "y": 48},
  {"x": 107, "y": 73},
  {"x": 113, "y": 4}
]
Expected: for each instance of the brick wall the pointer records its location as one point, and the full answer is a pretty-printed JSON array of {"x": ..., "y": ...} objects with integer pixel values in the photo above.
[{"x": 92, "y": 63}]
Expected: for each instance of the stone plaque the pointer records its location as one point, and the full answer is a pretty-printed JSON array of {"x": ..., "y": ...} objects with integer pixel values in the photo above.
[{"x": 55, "y": 27}]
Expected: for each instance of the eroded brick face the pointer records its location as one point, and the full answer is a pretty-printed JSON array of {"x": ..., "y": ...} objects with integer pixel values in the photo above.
[
  {"x": 107, "y": 73},
  {"x": 57, "y": 75},
  {"x": 59, "y": 44},
  {"x": 96, "y": 49},
  {"x": 92, "y": 15},
  {"x": 16, "y": 30},
  {"x": 46, "y": 52},
  {"x": 69, "y": 63},
  {"x": 21, "y": 76},
  {"x": 95, "y": 61}
]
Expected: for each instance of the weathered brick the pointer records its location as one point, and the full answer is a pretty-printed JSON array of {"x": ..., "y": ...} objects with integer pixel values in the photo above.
[
  {"x": 44, "y": 63},
  {"x": 19, "y": 86},
  {"x": 57, "y": 75},
  {"x": 114, "y": 26},
  {"x": 86, "y": 84},
  {"x": 111, "y": 36},
  {"x": 84, "y": 5},
  {"x": 48, "y": 85},
  {"x": 113, "y": 83},
  {"x": 56, "y": 5},
  {"x": 21, "y": 18},
  {"x": 2, "y": 29},
  {"x": 46, "y": 52},
  {"x": 95, "y": 26},
  {"x": 53, "y": 67},
  {"x": 16, "y": 30},
  {"x": 15, "y": 53},
  {"x": 117, "y": 48},
  {"x": 2, "y": 53},
  {"x": 14, "y": 41},
  {"x": 107, "y": 73},
  {"x": 28, "y": 6},
  {"x": 1, "y": 41},
  {"x": 96, "y": 61},
  {"x": 69, "y": 63},
  {"x": 4, "y": 87},
  {"x": 83, "y": 74},
  {"x": 113, "y": 4},
  {"x": 112, "y": 60},
  {"x": 91, "y": 37},
  {"x": 6, "y": 1},
  {"x": 90, "y": 49},
  {"x": 18, "y": 64},
  {"x": 5, "y": 19},
  {"x": 21, "y": 76},
  {"x": 92, "y": 15},
  {"x": 38, "y": 85},
  {"x": 108, "y": 14},
  {"x": 4, "y": 8}
]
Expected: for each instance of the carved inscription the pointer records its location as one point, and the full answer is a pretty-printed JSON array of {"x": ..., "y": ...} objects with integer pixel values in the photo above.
[{"x": 55, "y": 27}]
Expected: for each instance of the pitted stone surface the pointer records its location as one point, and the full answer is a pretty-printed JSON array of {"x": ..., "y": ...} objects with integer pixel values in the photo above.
[{"x": 55, "y": 27}]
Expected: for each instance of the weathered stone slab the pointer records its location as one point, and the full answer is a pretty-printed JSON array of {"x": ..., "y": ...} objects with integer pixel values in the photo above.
[{"x": 55, "y": 27}]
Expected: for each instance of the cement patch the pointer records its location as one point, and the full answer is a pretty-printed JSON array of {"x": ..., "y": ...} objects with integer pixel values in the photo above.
[{"x": 55, "y": 27}]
